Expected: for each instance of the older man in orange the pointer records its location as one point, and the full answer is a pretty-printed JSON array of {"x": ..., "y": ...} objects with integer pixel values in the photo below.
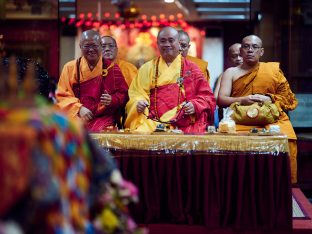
[
  {"x": 171, "y": 90},
  {"x": 184, "y": 40},
  {"x": 110, "y": 51},
  {"x": 255, "y": 81},
  {"x": 92, "y": 88}
]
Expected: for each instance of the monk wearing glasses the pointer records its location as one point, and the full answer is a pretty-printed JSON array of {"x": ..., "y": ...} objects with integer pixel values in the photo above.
[
  {"x": 92, "y": 87},
  {"x": 255, "y": 81}
]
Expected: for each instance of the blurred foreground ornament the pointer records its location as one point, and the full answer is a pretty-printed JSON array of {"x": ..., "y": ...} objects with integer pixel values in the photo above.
[{"x": 17, "y": 93}]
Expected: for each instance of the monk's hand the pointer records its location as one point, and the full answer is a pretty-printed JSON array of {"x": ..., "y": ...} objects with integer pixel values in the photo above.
[
  {"x": 85, "y": 114},
  {"x": 261, "y": 98},
  {"x": 189, "y": 108},
  {"x": 248, "y": 100},
  {"x": 141, "y": 105},
  {"x": 106, "y": 99}
]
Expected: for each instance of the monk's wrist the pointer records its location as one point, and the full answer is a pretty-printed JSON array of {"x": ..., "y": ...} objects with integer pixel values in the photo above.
[{"x": 269, "y": 96}]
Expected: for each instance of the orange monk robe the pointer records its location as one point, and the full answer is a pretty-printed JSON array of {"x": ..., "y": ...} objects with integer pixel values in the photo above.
[
  {"x": 268, "y": 79},
  {"x": 128, "y": 70},
  {"x": 202, "y": 64},
  {"x": 66, "y": 99},
  {"x": 196, "y": 90}
]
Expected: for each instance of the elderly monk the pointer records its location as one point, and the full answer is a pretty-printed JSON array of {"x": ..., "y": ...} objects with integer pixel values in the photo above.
[
  {"x": 184, "y": 40},
  {"x": 255, "y": 81},
  {"x": 234, "y": 60},
  {"x": 110, "y": 50},
  {"x": 170, "y": 90},
  {"x": 92, "y": 88}
]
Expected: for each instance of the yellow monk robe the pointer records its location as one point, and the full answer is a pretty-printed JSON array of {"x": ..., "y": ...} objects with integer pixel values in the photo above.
[
  {"x": 128, "y": 70},
  {"x": 196, "y": 89},
  {"x": 202, "y": 64},
  {"x": 268, "y": 79},
  {"x": 65, "y": 96}
]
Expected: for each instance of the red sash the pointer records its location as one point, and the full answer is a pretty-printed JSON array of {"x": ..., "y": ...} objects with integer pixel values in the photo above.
[
  {"x": 197, "y": 91},
  {"x": 90, "y": 91},
  {"x": 167, "y": 99}
]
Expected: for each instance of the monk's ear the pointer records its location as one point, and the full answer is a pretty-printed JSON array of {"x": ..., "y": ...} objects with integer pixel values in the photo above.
[{"x": 261, "y": 51}]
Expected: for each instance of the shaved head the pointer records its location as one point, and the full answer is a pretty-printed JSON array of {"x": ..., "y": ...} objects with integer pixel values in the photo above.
[
  {"x": 234, "y": 47},
  {"x": 109, "y": 47},
  {"x": 172, "y": 31},
  {"x": 251, "y": 50},
  {"x": 184, "y": 40},
  {"x": 254, "y": 38},
  {"x": 168, "y": 43},
  {"x": 234, "y": 57},
  {"x": 184, "y": 35},
  {"x": 103, "y": 38},
  {"x": 90, "y": 45},
  {"x": 90, "y": 35}
]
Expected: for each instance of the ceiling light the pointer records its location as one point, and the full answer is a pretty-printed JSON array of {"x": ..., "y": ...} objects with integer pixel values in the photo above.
[{"x": 168, "y": 1}]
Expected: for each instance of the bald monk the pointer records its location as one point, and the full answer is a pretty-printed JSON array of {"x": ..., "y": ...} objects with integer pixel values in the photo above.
[
  {"x": 92, "y": 88},
  {"x": 184, "y": 40},
  {"x": 170, "y": 90},
  {"x": 234, "y": 60},
  {"x": 110, "y": 50},
  {"x": 255, "y": 81}
]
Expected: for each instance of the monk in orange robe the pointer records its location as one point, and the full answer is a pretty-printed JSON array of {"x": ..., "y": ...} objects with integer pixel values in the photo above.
[
  {"x": 234, "y": 60},
  {"x": 92, "y": 88},
  {"x": 254, "y": 81},
  {"x": 110, "y": 51},
  {"x": 170, "y": 90},
  {"x": 184, "y": 40}
]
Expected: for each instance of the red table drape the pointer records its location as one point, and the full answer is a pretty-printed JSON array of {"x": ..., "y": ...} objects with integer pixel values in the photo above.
[{"x": 211, "y": 181}]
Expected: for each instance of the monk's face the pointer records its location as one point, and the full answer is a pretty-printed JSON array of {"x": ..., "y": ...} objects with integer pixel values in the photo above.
[
  {"x": 184, "y": 44},
  {"x": 109, "y": 48},
  {"x": 91, "y": 49},
  {"x": 251, "y": 49},
  {"x": 168, "y": 44},
  {"x": 235, "y": 58}
]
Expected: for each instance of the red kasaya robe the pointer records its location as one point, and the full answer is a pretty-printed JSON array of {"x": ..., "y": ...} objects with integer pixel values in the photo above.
[
  {"x": 91, "y": 89},
  {"x": 167, "y": 106}
]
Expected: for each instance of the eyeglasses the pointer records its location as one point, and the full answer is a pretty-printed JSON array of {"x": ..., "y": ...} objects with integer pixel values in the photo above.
[
  {"x": 254, "y": 47},
  {"x": 110, "y": 46},
  {"x": 184, "y": 46},
  {"x": 88, "y": 47}
]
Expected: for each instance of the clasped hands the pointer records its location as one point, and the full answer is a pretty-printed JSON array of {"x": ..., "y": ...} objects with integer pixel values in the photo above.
[
  {"x": 106, "y": 99},
  {"x": 250, "y": 99},
  {"x": 188, "y": 107},
  {"x": 86, "y": 115}
]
